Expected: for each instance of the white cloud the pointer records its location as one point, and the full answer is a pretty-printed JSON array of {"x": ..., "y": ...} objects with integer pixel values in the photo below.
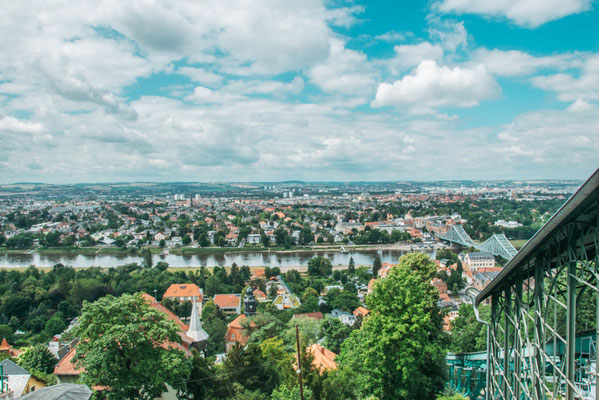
[
  {"x": 200, "y": 75},
  {"x": 449, "y": 34},
  {"x": 345, "y": 71},
  {"x": 407, "y": 56},
  {"x": 19, "y": 126},
  {"x": 431, "y": 86},
  {"x": 518, "y": 63},
  {"x": 580, "y": 106},
  {"x": 265, "y": 87},
  {"x": 203, "y": 94},
  {"x": 543, "y": 138},
  {"x": 528, "y": 13},
  {"x": 393, "y": 36},
  {"x": 571, "y": 88}
]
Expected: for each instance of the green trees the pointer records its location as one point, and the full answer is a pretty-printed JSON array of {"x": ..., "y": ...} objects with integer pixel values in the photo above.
[
  {"x": 468, "y": 335},
  {"x": 37, "y": 359},
  {"x": 398, "y": 353},
  {"x": 351, "y": 268},
  {"x": 376, "y": 265},
  {"x": 320, "y": 266},
  {"x": 123, "y": 347}
]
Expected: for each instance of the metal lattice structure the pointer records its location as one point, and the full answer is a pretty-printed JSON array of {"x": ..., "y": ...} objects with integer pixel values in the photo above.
[
  {"x": 498, "y": 244},
  {"x": 467, "y": 373},
  {"x": 457, "y": 234},
  {"x": 545, "y": 309}
]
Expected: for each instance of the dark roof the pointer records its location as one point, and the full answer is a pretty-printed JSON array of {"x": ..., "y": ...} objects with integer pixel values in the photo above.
[
  {"x": 65, "y": 391},
  {"x": 480, "y": 255},
  {"x": 10, "y": 368}
]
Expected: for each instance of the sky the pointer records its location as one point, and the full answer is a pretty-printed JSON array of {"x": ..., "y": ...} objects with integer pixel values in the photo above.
[{"x": 314, "y": 90}]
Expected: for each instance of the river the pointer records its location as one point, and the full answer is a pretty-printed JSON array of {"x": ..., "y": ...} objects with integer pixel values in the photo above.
[{"x": 284, "y": 260}]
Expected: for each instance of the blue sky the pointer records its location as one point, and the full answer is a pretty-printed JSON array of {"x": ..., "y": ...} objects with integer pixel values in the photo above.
[{"x": 313, "y": 90}]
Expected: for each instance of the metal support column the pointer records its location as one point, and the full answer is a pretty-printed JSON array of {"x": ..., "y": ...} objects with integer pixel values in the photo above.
[
  {"x": 506, "y": 347},
  {"x": 571, "y": 331},
  {"x": 539, "y": 338}
]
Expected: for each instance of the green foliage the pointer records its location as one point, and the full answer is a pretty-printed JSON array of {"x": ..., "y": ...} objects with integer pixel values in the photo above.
[
  {"x": 320, "y": 266},
  {"x": 54, "y": 326},
  {"x": 376, "y": 265},
  {"x": 248, "y": 368},
  {"x": 284, "y": 393},
  {"x": 335, "y": 333},
  {"x": 398, "y": 353},
  {"x": 120, "y": 348},
  {"x": 37, "y": 358},
  {"x": 467, "y": 334},
  {"x": 345, "y": 300}
]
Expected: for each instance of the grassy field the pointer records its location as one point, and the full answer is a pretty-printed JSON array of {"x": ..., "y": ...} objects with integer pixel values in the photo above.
[{"x": 518, "y": 243}]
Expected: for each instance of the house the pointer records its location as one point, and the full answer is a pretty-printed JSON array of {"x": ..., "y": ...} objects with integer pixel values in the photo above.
[
  {"x": 259, "y": 273},
  {"x": 183, "y": 292},
  {"x": 19, "y": 380},
  {"x": 345, "y": 317},
  {"x": 236, "y": 333},
  {"x": 260, "y": 296},
  {"x": 361, "y": 312},
  {"x": 286, "y": 301},
  {"x": 480, "y": 259},
  {"x": 7, "y": 350},
  {"x": 192, "y": 336},
  {"x": 324, "y": 359},
  {"x": 60, "y": 348},
  {"x": 228, "y": 303},
  {"x": 314, "y": 315},
  {"x": 253, "y": 238},
  {"x": 64, "y": 391}
]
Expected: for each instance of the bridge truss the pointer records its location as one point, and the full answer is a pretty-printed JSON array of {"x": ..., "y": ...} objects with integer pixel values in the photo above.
[
  {"x": 546, "y": 295},
  {"x": 498, "y": 244}
]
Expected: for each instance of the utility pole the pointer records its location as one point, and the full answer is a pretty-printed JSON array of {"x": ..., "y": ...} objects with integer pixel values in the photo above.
[{"x": 299, "y": 363}]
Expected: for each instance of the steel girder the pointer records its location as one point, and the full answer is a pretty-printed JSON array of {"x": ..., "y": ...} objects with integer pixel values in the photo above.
[
  {"x": 537, "y": 313},
  {"x": 498, "y": 244}
]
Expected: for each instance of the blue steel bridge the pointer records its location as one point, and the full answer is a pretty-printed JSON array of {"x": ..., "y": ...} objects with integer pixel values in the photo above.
[
  {"x": 498, "y": 244},
  {"x": 542, "y": 333}
]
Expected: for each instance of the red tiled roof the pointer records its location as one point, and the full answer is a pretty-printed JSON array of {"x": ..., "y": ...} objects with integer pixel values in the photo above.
[
  {"x": 4, "y": 346},
  {"x": 183, "y": 290},
  {"x": 361, "y": 311},
  {"x": 227, "y": 300},
  {"x": 169, "y": 314},
  {"x": 323, "y": 358},
  {"x": 65, "y": 366},
  {"x": 314, "y": 315}
]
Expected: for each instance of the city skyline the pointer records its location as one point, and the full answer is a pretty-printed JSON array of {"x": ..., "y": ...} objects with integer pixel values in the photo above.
[{"x": 313, "y": 91}]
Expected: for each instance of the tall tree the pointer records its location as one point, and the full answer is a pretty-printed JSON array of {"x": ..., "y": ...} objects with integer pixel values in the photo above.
[
  {"x": 37, "y": 359},
  {"x": 351, "y": 268},
  {"x": 376, "y": 265},
  {"x": 130, "y": 347},
  {"x": 406, "y": 323}
]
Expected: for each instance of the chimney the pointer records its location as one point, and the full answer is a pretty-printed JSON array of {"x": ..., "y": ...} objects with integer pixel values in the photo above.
[{"x": 322, "y": 350}]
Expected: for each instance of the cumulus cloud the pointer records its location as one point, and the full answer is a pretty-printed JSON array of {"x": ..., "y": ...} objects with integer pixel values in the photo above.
[
  {"x": 518, "y": 63},
  {"x": 344, "y": 71},
  {"x": 568, "y": 87},
  {"x": 19, "y": 126},
  {"x": 527, "y": 13},
  {"x": 431, "y": 86},
  {"x": 407, "y": 55}
]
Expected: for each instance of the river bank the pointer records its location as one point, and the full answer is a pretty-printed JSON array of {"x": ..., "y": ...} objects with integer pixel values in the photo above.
[{"x": 263, "y": 258}]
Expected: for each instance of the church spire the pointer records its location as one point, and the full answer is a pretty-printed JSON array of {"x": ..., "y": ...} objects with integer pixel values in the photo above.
[
  {"x": 249, "y": 302},
  {"x": 195, "y": 332}
]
